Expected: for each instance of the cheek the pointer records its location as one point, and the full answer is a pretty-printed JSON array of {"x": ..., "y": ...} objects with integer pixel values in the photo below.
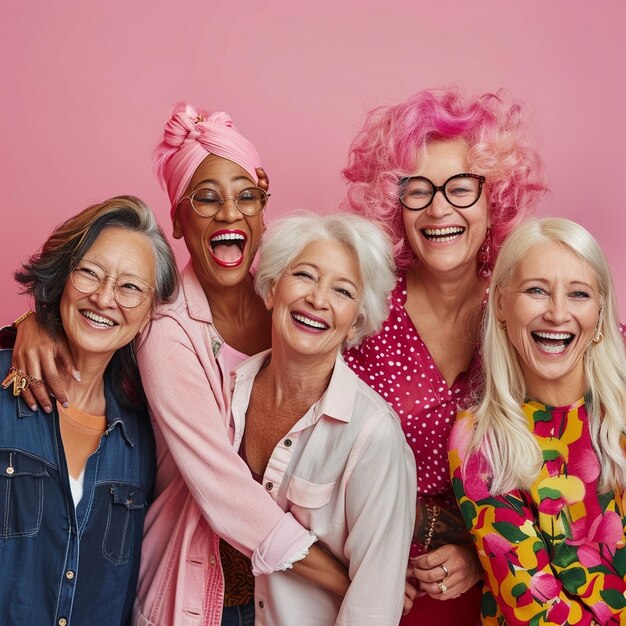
[
  {"x": 66, "y": 300},
  {"x": 257, "y": 228}
]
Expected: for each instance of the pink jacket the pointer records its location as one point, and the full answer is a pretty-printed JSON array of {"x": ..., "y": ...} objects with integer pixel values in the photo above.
[{"x": 203, "y": 488}]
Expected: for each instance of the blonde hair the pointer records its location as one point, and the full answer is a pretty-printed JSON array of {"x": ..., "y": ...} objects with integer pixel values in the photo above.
[{"x": 501, "y": 431}]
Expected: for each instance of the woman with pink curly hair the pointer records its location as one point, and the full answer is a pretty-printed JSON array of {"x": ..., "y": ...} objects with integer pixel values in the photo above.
[{"x": 447, "y": 177}]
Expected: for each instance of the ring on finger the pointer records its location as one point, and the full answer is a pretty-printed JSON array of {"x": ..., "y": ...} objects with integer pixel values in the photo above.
[
  {"x": 20, "y": 380},
  {"x": 445, "y": 571},
  {"x": 442, "y": 586}
]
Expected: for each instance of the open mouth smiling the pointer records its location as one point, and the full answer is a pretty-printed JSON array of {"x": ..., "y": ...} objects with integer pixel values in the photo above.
[
  {"x": 443, "y": 235},
  {"x": 98, "y": 320},
  {"x": 552, "y": 343},
  {"x": 309, "y": 323},
  {"x": 228, "y": 247}
]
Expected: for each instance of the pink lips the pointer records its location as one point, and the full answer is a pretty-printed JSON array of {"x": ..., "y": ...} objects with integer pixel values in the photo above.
[
  {"x": 308, "y": 322},
  {"x": 228, "y": 247}
]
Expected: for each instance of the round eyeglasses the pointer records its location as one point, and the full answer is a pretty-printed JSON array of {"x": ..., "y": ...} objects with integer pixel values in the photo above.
[
  {"x": 130, "y": 291},
  {"x": 207, "y": 202},
  {"x": 461, "y": 191}
]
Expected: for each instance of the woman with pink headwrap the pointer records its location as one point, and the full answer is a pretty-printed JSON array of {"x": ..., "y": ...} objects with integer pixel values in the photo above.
[{"x": 204, "y": 490}]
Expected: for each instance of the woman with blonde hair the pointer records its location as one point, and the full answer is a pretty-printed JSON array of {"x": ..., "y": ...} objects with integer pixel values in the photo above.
[{"x": 538, "y": 465}]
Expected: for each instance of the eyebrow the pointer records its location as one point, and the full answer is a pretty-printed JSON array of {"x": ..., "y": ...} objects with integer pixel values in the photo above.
[
  {"x": 217, "y": 183},
  {"x": 545, "y": 281}
]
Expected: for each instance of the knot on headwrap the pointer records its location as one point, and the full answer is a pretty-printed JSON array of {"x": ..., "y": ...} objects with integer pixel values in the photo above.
[{"x": 188, "y": 137}]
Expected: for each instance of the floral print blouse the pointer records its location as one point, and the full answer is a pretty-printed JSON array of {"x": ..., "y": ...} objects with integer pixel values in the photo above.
[{"x": 555, "y": 554}]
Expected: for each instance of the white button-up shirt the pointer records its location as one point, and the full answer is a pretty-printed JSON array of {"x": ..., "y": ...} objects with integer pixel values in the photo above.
[{"x": 345, "y": 472}]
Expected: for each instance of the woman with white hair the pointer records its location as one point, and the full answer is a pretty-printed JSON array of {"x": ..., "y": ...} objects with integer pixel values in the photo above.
[
  {"x": 538, "y": 466},
  {"x": 326, "y": 446}
]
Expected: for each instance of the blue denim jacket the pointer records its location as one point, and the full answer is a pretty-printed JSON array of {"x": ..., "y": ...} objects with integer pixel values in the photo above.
[{"x": 60, "y": 565}]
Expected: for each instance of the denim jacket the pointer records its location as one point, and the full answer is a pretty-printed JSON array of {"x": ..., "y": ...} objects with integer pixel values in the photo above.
[{"x": 61, "y": 565}]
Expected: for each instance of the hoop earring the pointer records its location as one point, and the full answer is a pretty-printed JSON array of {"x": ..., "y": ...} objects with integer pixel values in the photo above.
[
  {"x": 484, "y": 270},
  {"x": 598, "y": 337}
]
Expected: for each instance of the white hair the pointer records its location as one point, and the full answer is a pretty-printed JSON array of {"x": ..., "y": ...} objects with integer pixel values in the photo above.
[
  {"x": 501, "y": 428},
  {"x": 287, "y": 237}
]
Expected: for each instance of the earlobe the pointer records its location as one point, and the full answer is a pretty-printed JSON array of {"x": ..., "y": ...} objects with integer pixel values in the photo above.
[
  {"x": 177, "y": 233},
  {"x": 497, "y": 296},
  {"x": 269, "y": 299},
  {"x": 145, "y": 322},
  {"x": 353, "y": 330}
]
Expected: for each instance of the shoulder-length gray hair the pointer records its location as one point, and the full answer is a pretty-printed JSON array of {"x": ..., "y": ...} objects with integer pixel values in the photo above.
[
  {"x": 287, "y": 237},
  {"x": 502, "y": 432},
  {"x": 45, "y": 274}
]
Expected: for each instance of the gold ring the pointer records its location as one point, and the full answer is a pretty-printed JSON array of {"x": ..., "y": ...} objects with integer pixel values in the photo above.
[
  {"x": 445, "y": 571},
  {"x": 20, "y": 380},
  {"x": 442, "y": 586}
]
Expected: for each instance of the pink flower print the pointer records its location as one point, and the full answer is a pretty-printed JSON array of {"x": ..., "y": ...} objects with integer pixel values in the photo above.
[
  {"x": 545, "y": 587},
  {"x": 606, "y": 529},
  {"x": 475, "y": 484},
  {"x": 557, "y": 491},
  {"x": 585, "y": 465}
]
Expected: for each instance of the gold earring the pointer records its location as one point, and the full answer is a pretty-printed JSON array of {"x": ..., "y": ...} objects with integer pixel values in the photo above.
[{"x": 598, "y": 337}]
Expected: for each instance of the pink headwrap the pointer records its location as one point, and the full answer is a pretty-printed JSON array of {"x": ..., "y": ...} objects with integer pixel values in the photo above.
[{"x": 189, "y": 136}]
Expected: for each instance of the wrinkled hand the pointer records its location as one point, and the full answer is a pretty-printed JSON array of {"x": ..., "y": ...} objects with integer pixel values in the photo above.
[
  {"x": 36, "y": 354},
  {"x": 463, "y": 567}
]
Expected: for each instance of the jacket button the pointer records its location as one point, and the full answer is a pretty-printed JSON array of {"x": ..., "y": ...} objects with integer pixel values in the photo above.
[
  {"x": 10, "y": 470},
  {"x": 287, "y": 442},
  {"x": 269, "y": 486},
  {"x": 212, "y": 559},
  {"x": 69, "y": 574},
  {"x": 62, "y": 622}
]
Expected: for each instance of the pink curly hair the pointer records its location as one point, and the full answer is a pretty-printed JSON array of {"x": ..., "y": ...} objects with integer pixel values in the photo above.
[{"x": 390, "y": 142}]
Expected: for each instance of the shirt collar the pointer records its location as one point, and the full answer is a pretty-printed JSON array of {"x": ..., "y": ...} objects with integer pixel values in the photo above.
[
  {"x": 197, "y": 303},
  {"x": 337, "y": 402}
]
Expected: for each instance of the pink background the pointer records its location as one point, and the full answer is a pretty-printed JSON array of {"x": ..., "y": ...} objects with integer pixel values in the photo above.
[{"x": 86, "y": 87}]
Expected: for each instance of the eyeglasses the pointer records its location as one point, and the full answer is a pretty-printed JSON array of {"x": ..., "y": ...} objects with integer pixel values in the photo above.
[
  {"x": 207, "y": 202},
  {"x": 130, "y": 291},
  {"x": 460, "y": 190}
]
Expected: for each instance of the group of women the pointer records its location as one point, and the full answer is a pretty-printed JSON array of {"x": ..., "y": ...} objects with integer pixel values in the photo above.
[{"x": 302, "y": 411}]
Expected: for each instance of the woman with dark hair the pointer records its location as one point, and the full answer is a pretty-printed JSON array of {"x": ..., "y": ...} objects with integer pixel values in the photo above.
[
  {"x": 538, "y": 464},
  {"x": 447, "y": 177},
  {"x": 76, "y": 484}
]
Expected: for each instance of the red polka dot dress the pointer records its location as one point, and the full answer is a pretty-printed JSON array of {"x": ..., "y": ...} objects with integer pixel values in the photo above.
[{"x": 397, "y": 364}]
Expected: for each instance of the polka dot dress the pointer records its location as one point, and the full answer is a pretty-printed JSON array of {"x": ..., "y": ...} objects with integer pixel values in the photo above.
[{"x": 397, "y": 364}]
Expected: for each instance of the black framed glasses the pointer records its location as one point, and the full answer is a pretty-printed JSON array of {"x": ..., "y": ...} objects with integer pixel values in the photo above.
[
  {"x": 207, "y": 202},
  {"x": 130, "y": 291},
  {"x": 461, "y": 191}
]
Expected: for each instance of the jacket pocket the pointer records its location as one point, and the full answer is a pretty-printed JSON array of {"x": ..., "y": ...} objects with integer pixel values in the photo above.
[
  {"x": 309, "y": 495},
  {"x": 21, "y": 493},
  {"x": 126, "y": 510}
]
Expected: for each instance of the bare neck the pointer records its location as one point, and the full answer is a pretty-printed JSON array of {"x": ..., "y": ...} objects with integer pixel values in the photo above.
[
  {"x": 303, "y": 381},
  {"x": 445, "y": 296},
  {"x": 240, "y": 316},
  {"x": 88, "y": 394}
]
